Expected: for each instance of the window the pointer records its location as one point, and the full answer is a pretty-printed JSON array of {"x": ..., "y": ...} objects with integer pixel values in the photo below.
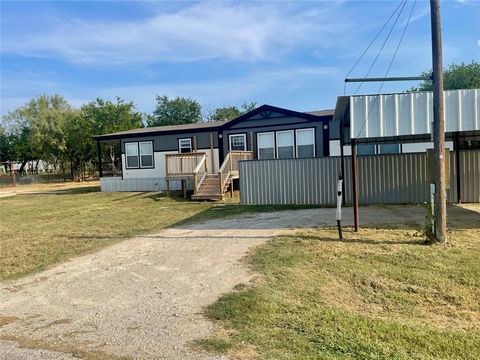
[
  {"x": 285, "y": 144},
  {"x": 131, "y": 152},
  {"x": 139, "y": 155},
  {"x": 185, "y": 145},
  {"x": 238, "y": 142},
  {"x": 305, "y": 143},
  {"x": 266, "y": 146},
  {"x": 365, "y": 149},
  {"x": 389, "y": 149},
  {"x": 146, "y": 154}
]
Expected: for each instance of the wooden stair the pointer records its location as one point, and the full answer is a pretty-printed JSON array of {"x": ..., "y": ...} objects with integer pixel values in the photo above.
[{"x": 209, "y": 189}]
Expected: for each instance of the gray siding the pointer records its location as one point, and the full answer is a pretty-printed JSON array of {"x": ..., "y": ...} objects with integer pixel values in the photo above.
[
  {"x": 383, "y": 179},
  {"x": 169, "y": 142},
  {"x": 253, "y": 126}
]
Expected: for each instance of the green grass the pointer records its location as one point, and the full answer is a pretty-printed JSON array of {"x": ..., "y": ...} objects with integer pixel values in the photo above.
[
  {"x": 380, "y": 294},
  {"x": 39, "y": 230}
]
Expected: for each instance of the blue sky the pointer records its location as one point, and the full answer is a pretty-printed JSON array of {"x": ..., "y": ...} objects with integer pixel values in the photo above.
[{"x": 287, "y": 54}]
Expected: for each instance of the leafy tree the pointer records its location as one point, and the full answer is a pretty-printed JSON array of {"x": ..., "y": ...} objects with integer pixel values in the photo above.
[
  {"x": 462, "y": 76},
  {"x": 231, "y": 112},
  {"x": 36, "y": 129},
  {"x": 101, "y": 117},
  {"x": 175, "y": 111}
]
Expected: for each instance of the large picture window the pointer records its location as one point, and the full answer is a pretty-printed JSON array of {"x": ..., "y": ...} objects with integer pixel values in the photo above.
[
  {"x": 285, "y": 144},
  {"x": 305, "y": 143},
  {"x": 139, "y": 155},
  {"x": 266, "y": 145},
  {"x": 185, "y": 145},
  {"x": 238, "y": 142}
]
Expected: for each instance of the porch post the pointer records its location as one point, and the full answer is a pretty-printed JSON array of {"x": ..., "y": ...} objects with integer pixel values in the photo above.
[{"x": 99, "y": 154}]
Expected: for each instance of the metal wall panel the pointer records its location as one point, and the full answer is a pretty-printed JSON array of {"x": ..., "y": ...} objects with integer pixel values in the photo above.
[
  {"x": 383, "y": 179},
  {"x": 412, "y": 113}
]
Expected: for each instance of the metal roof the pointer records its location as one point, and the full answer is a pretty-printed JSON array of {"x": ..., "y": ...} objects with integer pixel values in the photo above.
[{"x": 407, "y": 114}]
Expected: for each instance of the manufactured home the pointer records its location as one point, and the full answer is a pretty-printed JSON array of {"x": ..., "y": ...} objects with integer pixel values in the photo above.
[{"x": 204, "y": 157}]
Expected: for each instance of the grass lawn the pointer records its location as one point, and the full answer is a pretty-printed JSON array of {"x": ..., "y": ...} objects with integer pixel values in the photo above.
[
  {"x": 38, "y": 230},
  {"x": 379, "y": 294}
]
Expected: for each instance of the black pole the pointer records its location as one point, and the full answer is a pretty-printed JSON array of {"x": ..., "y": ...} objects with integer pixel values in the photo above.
[
  {"x": 355, "y": 184},
  {"x": 99, "y": 154},
  {"x": 342, "y": 163},
  {"x": 456, "y": 147}
]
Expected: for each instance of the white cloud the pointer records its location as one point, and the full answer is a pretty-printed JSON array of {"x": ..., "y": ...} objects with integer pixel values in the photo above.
[
  {"x": 247, "y": 32},
  {"x": 258, "y": 86},
  {"x": 478, "y": 42}
]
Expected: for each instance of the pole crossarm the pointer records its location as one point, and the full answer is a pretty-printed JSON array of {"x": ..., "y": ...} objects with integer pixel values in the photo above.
[{"x": 393, "y": 78}]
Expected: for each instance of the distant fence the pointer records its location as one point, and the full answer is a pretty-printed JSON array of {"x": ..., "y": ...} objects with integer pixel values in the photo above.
[{"x": 382, "y": 179}]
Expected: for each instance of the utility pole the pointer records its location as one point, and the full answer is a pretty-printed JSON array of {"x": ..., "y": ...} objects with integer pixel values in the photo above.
[{"x": 438, "y": 124}]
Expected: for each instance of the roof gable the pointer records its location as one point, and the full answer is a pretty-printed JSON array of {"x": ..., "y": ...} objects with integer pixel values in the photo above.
[{"x": 269, "y": 111}]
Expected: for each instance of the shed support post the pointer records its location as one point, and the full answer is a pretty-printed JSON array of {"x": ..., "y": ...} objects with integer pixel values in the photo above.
[
  {"x": 355, "y": 184},
  {"x": 168, "y": 188},
  {"x": 184, "y": 188},
  {"x": 456, "y": 147},
  {"x": 342, "y": 164},
  {"x": 99, "y": 154}
]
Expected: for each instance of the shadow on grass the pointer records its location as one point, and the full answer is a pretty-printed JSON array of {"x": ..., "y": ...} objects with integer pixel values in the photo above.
[
  {"x": 364, "y": 241},
  {"x": 71, "y": 191}
]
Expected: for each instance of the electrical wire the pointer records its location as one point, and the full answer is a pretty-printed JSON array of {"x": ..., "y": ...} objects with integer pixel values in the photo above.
[
  {"x": 389, "y": 67},
  {"x": 383, "y": 46},
  {"x": 374, "y": 39}
]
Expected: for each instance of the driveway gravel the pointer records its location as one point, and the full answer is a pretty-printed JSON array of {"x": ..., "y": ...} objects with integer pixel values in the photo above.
[{"x": 143, "y": 298}]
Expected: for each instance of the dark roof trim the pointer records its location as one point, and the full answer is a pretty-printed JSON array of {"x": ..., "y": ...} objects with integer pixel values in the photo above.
[
  {"x": 116, "y": 136},
  {"x": 221, "y": 126}
]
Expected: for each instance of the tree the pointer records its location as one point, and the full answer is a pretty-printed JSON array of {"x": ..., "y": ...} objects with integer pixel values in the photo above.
[
  {"x": 231, "y": 112},
  {"x": 101, "y": 117},
  {"x": 175, "y": 111},
  {"x": 36, "y": 129},
  {"x": 462, "y": 76}
]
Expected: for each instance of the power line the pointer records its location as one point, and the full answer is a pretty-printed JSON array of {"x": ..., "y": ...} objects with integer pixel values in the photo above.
[
  {"x": 383, "y": 45},
  {"x": 389, "y": 66},
  {"x": 374, "y": 39}
]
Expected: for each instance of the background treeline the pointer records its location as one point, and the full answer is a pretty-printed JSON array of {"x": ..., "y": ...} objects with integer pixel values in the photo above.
[{"x": 49, "y": 129}]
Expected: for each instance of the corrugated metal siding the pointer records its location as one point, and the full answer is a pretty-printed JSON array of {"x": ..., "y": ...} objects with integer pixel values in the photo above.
[
  {"x": 383, "y": 179},
  {"x": 412, "y": 113},
  {"x": 114, "y": 184}
]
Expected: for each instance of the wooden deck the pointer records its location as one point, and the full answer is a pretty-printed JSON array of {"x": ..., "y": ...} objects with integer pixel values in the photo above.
[{"x": 206, "y": 186}]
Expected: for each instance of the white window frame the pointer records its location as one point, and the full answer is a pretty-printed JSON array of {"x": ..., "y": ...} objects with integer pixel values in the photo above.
[
  {"x": 135, "y": 146},
  {"x": 258, "y": 147},
  {"x": 140, "y": 154},
  {"x": 293, "y": 140},
  {"x": 244, "y": 136},
  {"x": 180, "y": 147},
  {"x": 296, "y": 141}
]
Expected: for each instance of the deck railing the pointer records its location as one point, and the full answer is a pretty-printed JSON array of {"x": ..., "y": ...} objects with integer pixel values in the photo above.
[
  {"x": 199, "y": 174},
  {"x": 183, "y": 165},
  {"x": 229, "y": 167}
]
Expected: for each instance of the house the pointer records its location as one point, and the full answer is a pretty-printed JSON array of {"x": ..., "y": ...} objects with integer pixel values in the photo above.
[{"x": 204, "y": 157}]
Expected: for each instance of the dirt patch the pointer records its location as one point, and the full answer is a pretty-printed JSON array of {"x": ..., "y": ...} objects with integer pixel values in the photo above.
[{"x": 5, "y": 320}]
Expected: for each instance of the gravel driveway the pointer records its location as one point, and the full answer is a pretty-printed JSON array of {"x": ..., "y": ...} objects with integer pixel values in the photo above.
[{"x": 143, "y": 298}]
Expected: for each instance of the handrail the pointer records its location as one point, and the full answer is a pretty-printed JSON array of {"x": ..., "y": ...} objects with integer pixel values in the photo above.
[
  {"x": 200, "y": 173},
  {"x": 230, "y": 166}
]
